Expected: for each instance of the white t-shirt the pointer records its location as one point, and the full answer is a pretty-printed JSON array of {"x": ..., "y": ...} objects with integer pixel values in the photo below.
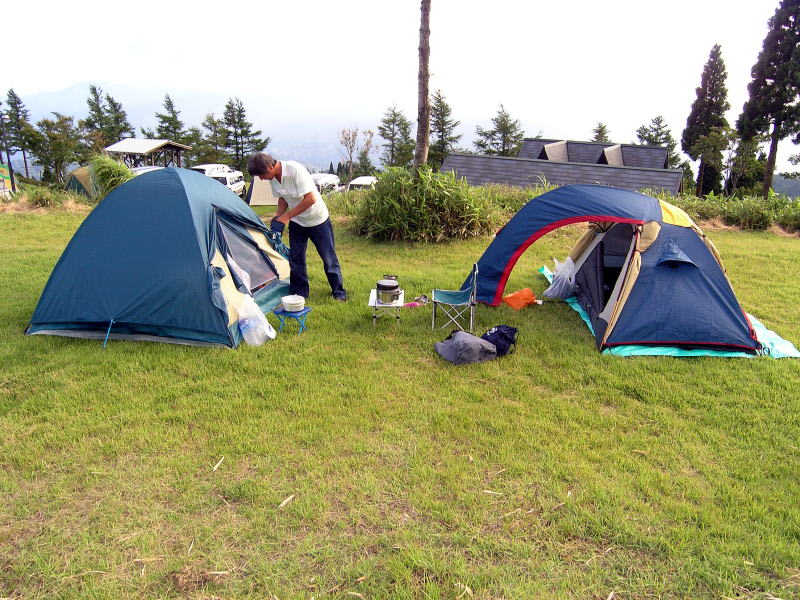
[{"x": 295, "y": 183}]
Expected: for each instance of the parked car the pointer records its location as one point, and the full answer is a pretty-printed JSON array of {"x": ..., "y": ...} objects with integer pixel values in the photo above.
[
  {"x": 326, "y": 182},
  {"x": 362, "y": 183},
  {"x": 146, "y": 169},
  {"x": 230, "y": 178}
]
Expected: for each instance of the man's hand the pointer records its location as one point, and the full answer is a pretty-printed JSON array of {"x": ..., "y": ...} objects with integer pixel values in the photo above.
[{"x": 284, "y": 218}]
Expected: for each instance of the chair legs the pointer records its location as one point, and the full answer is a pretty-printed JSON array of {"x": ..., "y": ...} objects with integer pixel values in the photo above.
[{"x": 454, "y": 312}]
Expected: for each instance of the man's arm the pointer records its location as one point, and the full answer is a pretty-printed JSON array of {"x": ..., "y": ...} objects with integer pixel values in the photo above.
[
  {"x": 283, "y": 206},
  {"x": 305, "y": 203}
]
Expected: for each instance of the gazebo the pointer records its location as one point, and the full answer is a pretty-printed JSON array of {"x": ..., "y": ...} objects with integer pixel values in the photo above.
[{"x": 139, "y": 152}]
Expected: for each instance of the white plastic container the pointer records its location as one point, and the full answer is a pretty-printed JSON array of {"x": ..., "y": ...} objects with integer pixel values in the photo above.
[{"x": 293, "y": 303}]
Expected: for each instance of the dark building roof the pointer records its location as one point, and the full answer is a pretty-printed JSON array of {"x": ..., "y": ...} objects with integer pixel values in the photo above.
[
  {"x": 602, "y": 153},
  {"x": 526, "y": 172}
]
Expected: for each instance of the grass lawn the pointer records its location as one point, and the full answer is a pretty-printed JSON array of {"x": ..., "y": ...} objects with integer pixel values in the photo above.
[{"x": 352, "y": 462}]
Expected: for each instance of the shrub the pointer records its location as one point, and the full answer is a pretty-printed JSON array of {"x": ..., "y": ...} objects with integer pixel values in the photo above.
[
  {"x": 699, "y": 209},
  {"x": 427, "y": 208},
  {"x": 345, "y": 203},
  {"x": 748, "y": 213},
  {"x": 107, "y": 174},
  {"x": 42, "y": 196},
  {"x": 789, "y": 216},
  {"x": 510, "y": 198}
]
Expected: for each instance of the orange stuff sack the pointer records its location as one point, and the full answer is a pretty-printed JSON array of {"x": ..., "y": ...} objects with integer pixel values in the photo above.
[{"x": 517, "y": 300}]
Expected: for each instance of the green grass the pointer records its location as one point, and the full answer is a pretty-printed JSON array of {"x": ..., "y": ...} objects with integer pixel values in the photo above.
[{"x": 554, "y": 472}]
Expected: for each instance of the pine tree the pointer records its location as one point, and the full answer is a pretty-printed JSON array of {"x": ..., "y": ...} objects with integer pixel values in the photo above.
[
  {"x": 92, "y": 127},
  {"x": 657, "y": 133},
  {"x": 169, "y": 127},
  {"x": 775, "y": 87},
  {"x": 504, "y": 139},
  {"x": 395, "y": 128},
  {"x": 746, "y": 167},
  {"x": 241, "y": 139},
  {"x": 600, "y": 133},
  {"x": 116, "y": 124},
  {"x": 443, "y": 128},
  {"x": 330, "y": 169},
  {"x": 56, "y": 143},
  {"x": 364, "y": 165},
  {"x": 708, "y": 112},
  {"x": 17, "y": 127}
]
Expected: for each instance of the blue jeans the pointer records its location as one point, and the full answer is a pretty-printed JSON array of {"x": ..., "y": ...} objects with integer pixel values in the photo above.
[{"x": 322, "y": 237}]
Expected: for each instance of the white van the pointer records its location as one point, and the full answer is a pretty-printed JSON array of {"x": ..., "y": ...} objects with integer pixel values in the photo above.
[
  {"x": 364, "y": 182},
  {"x": 326, "y": 182},
  {"x": 233, "y": 180}
]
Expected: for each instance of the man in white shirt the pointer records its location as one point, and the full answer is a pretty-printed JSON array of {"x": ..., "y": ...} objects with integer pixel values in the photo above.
[{"x": 300, "y": 206}]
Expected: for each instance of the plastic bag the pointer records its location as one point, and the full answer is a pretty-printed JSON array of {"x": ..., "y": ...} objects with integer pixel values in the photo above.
[
  {"x": 563, "y": 285},
  {"x": 253, "y": 323},
  {"x": 520, "y": 299}
]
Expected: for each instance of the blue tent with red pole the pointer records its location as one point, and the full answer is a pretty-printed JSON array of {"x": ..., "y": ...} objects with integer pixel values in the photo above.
[{"x": 644, "y": 273}]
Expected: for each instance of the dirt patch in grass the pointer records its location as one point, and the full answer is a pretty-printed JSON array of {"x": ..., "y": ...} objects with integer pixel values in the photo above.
[
  {"x": 22, "y": 206},
  {"x": 191, "y": 579},
  {"x": 781, "y": 232},
  {"x": 715, "y": 224}
]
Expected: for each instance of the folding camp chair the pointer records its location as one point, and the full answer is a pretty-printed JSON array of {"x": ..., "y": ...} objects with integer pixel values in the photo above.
[{"x": 456, "y": 303}]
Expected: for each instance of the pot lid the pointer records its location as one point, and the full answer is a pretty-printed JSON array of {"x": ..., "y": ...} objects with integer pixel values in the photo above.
[{"x": 388, "y": 284}]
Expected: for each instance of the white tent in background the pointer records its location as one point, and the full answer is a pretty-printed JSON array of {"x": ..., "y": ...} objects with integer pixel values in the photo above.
[{"x": 259, "y": 193}]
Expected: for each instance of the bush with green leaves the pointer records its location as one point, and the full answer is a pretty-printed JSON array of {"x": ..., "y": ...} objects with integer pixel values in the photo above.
[
  {"x": 789, "y": 216},
  {"x": 428, "y": 207},
  {"x": 107, "y": 174},
  {"x": 45, "y": 196},
  {"x": 510, "y": 198}
]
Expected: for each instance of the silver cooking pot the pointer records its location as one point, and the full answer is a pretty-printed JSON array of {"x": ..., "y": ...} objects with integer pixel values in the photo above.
[{"x": 388, "y": 289}]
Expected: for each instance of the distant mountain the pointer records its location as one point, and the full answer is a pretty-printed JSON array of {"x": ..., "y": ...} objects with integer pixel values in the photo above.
[
  {"x": 786, "y": 186},
  {"x": 296, "y": 133}
]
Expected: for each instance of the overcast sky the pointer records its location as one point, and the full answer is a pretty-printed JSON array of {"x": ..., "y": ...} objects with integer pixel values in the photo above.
[{"x": 558, "y": 66}]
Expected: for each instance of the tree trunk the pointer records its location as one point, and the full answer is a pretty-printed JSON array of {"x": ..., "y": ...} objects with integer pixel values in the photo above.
[
  {"x": 771, "y": 158},
  {"x": 698, "y": 188},
  {"x": 423, "y": 100},
  {"x": 25, "y": 159}
]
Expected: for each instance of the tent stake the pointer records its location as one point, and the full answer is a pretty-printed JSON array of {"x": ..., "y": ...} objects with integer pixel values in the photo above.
[{"x": 108, "y": 333}]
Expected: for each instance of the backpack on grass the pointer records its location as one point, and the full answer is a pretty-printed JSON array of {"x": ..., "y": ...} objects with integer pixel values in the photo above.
[{"x": 504, "y": 338}]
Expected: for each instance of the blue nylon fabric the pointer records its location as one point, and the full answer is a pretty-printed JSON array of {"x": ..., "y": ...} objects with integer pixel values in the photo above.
[
  {"x": 571, "y": 203},
  {"x": 681, "y": 302},
  {"x": 773, "y": 345},
  {"x": 142, "y": 258}
]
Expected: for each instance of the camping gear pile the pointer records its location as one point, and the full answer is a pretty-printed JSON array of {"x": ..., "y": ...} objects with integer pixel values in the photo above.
[{"x": 461, "y": 347}]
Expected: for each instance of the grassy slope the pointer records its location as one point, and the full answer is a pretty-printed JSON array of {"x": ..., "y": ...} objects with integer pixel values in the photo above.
[{"x": 552, "y": 473}]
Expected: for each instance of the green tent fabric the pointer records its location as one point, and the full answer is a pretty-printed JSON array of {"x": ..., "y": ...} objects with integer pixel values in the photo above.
[{"x": 162, "y": 258}]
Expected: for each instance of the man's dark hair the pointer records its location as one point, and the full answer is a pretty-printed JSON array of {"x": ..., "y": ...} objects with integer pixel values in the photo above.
[{"x": 259, "y": 163}]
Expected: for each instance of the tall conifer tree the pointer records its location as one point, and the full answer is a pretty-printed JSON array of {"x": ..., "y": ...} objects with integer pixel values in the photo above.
[
  {"x": 18, "y": 127},
  {"x": 504, "y": 139},
  {"x": 241, "y": 139},
  {"x": 773, "y": 107},
  {"x": 443, "y": 126},
  {"x": 708, "y": 112},
  {"x": 395, "y": 128},
  {"x": 657, "y": 133}
]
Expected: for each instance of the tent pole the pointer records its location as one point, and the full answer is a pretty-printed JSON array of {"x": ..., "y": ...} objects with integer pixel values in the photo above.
[{"x": 108, "y": 333}]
